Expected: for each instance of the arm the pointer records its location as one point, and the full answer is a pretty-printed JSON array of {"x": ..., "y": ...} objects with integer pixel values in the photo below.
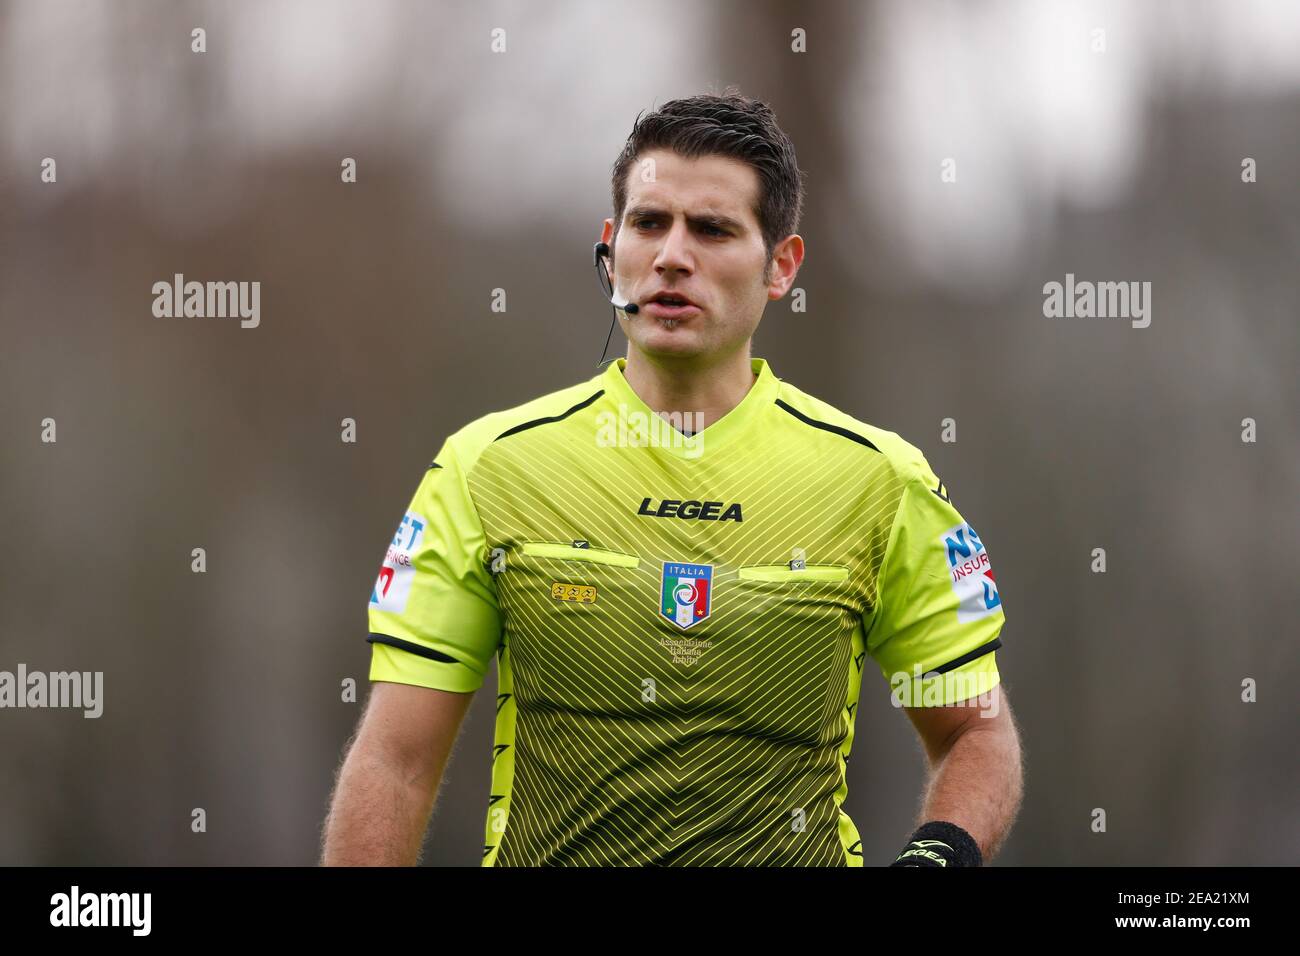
[
  {"x": 976, "y": 778},
  {"x": 389, "y": 779}
]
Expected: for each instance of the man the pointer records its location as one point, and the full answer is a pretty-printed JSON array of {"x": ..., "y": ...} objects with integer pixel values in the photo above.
[{"x": 681, "y": 567}]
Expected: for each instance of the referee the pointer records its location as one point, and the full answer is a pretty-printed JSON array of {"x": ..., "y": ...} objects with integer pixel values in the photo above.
[{"x": 682, "y": 567}]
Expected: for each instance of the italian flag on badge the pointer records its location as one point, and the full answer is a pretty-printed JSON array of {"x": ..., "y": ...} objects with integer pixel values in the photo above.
[{"x": 684, "y": 593}]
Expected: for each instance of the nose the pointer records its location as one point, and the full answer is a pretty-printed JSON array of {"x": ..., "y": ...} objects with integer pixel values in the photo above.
[{"x": 674, "y": 254}]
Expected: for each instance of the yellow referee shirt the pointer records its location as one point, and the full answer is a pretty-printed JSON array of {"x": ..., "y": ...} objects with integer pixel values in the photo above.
[{"x": 680, "y": 622}]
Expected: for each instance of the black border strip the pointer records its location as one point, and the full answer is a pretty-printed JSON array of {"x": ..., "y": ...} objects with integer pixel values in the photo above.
[
  {"x": 417, "y": 649},
  {"x": 546, "y": 421},
  {"x": 980, "y": 651},
  {"x": 826, "y": 426}
]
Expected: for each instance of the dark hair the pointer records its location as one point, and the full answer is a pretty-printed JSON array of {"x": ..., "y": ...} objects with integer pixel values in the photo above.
[{"x": 728, "y": 125}]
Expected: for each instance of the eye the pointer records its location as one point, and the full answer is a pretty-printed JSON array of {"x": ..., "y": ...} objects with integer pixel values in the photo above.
[
  {"x": 641, "y": 222},
  {"x": 715, "y": 230}
]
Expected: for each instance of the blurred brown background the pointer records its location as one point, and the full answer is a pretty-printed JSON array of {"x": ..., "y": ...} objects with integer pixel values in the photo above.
[{"x": 480, "y": 170}]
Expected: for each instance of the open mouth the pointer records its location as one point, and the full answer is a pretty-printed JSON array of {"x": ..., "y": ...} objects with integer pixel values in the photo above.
[{"x": 671, "y": 307}]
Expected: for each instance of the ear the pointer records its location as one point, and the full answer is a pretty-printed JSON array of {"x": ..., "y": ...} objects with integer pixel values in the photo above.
[{"x": 786, "y": 259}]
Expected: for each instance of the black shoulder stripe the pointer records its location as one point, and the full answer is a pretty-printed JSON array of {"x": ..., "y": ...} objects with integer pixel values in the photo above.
[
  {"x": 553, "y": 418},
  {"x": 826, "y": 426},
  {"x": 413, "y": 648},
  {"x": 980, "y": 651},
  {"x": 433, "y": 465}
]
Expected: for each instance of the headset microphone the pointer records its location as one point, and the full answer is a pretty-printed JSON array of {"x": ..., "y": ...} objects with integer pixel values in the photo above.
[
  {"x": 602, "y": 249},
  {"x": 617, "y": 301}
]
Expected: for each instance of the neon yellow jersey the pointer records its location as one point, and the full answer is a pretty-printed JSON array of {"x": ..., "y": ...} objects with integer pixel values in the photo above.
[{"x": 680, "y": 622}]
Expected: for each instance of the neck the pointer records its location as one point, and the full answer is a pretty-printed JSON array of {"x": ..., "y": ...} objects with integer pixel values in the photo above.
[{"x": 708, "y": 392}]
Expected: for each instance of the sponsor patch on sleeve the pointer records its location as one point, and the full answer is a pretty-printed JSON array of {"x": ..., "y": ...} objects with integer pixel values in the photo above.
[
  {"x": 972, "y": 576},
  {"x": 393, "y": 585}
]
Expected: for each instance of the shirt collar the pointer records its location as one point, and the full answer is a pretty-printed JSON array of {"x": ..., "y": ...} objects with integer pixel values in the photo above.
[{"x": 635, "y": 417}]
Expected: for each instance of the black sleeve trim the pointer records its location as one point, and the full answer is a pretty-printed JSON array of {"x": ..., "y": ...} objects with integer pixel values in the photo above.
[
  {"x": 417, "y": 649},
  {"x": 980, "y": 651}
]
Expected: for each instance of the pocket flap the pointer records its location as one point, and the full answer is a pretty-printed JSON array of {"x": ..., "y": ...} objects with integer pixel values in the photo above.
[
  {"x": 568, "y": 552},
  {"x": 783, "y": 573}
]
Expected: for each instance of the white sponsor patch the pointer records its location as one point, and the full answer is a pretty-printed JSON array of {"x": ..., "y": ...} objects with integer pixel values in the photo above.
[
  {"x": 972, "y": 576},
  {"x": 393, "y": 585}
]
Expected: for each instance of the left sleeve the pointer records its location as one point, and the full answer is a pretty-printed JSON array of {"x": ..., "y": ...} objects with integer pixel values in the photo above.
[{"x": 938, "y": 612}]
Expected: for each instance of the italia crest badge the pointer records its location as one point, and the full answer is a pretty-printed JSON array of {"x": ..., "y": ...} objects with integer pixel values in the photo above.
[{"x": 684, "y": 593}]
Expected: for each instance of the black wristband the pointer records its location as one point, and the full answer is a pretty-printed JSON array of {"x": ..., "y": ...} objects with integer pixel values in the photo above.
[{"x": 939, "y": 843}]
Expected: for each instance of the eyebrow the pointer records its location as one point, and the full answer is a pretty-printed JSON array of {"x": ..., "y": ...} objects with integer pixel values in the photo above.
[{"x": 705, "y": 217}]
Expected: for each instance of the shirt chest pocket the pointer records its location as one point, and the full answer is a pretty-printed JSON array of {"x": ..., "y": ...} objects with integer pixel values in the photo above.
[
  {"x": 556, "y": 577},
  {"x": 576, "y": 620},
  {"x": 795, "y": 627},
  {"x": 810, "y": 594}
]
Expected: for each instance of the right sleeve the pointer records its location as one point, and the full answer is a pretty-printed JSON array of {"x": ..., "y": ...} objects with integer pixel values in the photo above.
[{"x": 434, "y": 618}]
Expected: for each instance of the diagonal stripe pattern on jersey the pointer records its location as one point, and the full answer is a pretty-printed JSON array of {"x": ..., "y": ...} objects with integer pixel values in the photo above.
[{"x": 680, "y": 626}]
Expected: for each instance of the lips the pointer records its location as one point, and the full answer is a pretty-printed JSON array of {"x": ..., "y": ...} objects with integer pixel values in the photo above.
[
  {"x": 672, "y": 294},
  {"x": 664, "y": 310}
]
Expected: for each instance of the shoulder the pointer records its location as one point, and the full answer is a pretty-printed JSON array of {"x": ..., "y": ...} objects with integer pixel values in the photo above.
[
  {"x": 470, "y": 441},
  {"x": 906, "y": 459}
]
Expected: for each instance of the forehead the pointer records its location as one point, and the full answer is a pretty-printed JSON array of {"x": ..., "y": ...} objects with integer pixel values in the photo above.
[{"x": 718, "y": 184}]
